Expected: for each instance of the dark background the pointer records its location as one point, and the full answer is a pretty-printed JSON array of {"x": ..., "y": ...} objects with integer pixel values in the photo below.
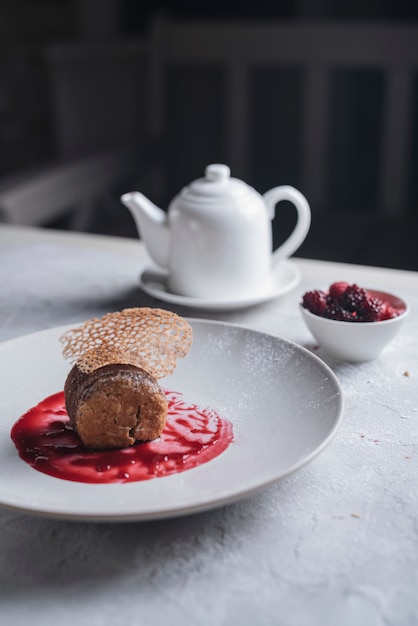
[{"x": 348, "y": 228}]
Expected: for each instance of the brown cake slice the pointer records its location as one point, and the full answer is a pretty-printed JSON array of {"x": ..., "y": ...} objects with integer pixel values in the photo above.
[{"x": 114, "y": 406}]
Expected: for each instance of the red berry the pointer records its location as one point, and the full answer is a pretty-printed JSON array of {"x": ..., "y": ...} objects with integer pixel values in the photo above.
[
  {"x": 336, "y": 290},
  {"x": 315, "y": 301},
  {"x": 387, "y": 312}
]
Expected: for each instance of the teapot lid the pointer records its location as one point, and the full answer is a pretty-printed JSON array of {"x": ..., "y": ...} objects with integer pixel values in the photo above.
[{"x": 216, "y": 184}]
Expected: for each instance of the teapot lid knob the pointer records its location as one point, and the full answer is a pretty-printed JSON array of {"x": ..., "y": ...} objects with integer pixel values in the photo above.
[
  {"x": 217, "y": 172},
  {"x": 217, "y": 184}
]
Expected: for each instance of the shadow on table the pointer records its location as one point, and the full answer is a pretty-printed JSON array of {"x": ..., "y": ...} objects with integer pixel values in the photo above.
[{"x": 44, "y": 555}]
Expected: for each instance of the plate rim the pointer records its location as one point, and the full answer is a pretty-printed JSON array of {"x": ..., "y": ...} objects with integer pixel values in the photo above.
[{"x": 209, "y": 503}]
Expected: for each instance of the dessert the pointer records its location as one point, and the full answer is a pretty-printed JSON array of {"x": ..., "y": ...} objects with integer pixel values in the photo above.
[
  {"x": 112, "y": 394},
  {"x": 349, "y": 303},
  {"x": 124, "y": 427},
  {"x": 115, "y": 405}
]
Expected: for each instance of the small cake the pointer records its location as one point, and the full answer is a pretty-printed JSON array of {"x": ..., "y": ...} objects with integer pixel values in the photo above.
[
  {"x": 112, "y": 393},
  {"x": 115, "y": 405}
]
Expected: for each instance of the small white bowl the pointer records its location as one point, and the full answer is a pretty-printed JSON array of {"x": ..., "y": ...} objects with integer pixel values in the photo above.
[{"x": 356, "y": 341}]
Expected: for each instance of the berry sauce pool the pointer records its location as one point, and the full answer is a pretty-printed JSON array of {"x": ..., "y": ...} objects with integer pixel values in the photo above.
[{"x": 45, "y": 440}]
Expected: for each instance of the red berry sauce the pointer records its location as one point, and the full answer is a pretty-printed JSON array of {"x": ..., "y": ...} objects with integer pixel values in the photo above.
[{"x": 45, "y": 439}]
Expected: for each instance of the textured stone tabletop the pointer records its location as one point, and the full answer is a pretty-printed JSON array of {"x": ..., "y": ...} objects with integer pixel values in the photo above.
[{"x": 335, "y": 543}]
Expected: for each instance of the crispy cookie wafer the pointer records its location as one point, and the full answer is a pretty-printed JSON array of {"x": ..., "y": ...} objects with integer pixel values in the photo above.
[{"x": 152, "y": 339}]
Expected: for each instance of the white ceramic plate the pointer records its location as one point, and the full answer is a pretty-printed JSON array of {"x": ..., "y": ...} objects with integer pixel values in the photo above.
[
  {"x": 285, "y": 405},
  {"x": 285, "y": 278}
]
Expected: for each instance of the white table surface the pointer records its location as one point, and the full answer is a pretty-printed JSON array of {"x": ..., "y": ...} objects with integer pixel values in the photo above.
[{"x": 335, "y": 543}]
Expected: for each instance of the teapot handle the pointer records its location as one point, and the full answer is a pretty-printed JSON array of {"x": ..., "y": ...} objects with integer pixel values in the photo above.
[{"x": 298, "y": 235}]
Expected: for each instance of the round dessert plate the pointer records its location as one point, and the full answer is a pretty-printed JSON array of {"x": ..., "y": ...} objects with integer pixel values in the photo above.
[
  {"x": 285, "y": 277},
  {"x": 284, "y": 403}
]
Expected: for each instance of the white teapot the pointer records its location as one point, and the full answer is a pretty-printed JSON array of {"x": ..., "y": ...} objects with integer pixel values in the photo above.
[{"x": 215, "y": 241}]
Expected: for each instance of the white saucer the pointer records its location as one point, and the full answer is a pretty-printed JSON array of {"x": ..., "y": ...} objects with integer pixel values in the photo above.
[{"x": 285, "y": 277}]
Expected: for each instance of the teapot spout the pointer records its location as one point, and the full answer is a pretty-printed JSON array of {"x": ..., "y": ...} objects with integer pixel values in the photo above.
[{"x": 152, "y": 225}]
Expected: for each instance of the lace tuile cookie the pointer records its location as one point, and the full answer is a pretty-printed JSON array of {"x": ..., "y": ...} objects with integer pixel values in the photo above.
[{"x": 152, "y": 339}]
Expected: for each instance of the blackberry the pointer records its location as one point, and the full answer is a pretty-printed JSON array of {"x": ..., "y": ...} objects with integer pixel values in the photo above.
[
  {"x": 315, "y": 301},
  {"x": 334, "y": 311},
  {"x": 353, "y": 298},
  {"x": 370, "y": 310}
]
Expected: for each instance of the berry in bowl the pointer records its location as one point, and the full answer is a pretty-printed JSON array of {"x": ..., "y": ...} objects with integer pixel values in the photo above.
[{"x": 352, "y": 323}]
